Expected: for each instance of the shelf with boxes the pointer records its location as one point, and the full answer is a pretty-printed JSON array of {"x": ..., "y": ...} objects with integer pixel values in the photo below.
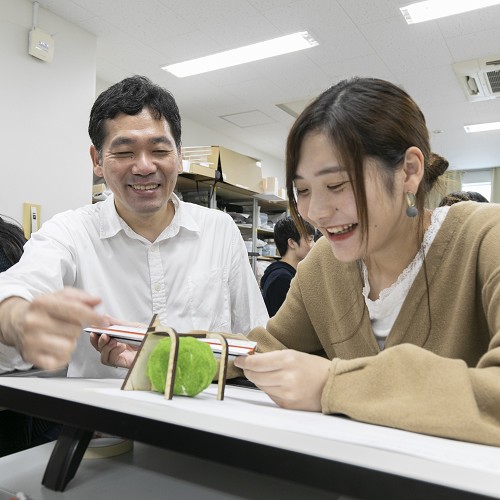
[
  {"x": 265, "y": 233},
  {"x": 219, "y": 178},
  {"x": 242, "y": 205}
]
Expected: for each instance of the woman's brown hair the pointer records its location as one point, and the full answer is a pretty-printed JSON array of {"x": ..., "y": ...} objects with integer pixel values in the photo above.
[{"x": 363, "y": 118}]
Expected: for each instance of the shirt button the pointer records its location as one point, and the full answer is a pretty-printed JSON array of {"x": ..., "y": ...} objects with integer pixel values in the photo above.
[
  {"x": 153, "y": 248},
  {"x": 157, "y": 287}
]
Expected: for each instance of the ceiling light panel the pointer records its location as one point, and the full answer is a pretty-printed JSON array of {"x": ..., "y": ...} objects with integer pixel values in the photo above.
[
  {"x": 482, "y": 127},
  {"x": 257, "y": 51},
  {"x": 435, "y": 9}
]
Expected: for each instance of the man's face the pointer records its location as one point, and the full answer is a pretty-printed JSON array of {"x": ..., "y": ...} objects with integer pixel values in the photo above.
[{"x": 140, "y": 163}]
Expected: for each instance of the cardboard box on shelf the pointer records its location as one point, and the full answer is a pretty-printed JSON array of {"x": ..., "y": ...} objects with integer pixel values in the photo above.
[
  {"x": 198, "y": 155},
  {"x": 270, "y": 185},
  {"x": 196, "y": 168},
  {"x": 237, "y": 169}
]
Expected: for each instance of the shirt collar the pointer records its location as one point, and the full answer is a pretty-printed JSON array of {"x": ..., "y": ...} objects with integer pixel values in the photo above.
[
  {"x": 109, "y": 220},
  {"x": 182, "y": 218},
  {"x": 110, "y": 223}
]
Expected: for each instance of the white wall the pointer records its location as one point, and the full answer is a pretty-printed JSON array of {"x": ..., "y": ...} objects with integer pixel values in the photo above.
[
  {"x": 470, "y": 176},
  {"x": 194, "y": 134},
  {"x": 45, "y": 109}
]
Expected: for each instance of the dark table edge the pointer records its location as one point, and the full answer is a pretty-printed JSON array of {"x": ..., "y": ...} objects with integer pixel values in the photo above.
[{"x": 324, "y": 474}]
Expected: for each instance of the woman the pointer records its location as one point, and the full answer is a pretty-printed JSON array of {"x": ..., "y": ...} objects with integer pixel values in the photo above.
[{"x": 404, "y": 302}]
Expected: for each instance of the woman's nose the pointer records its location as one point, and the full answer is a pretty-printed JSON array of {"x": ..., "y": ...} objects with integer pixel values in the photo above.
[{"x": 318, "y": 209}]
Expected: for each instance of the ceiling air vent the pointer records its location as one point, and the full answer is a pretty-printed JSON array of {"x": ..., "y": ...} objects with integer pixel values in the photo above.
[{"x": 479, "y": 78}]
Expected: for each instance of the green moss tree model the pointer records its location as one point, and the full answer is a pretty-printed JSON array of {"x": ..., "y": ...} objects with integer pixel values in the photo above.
[{"x": 196, "y": 366}]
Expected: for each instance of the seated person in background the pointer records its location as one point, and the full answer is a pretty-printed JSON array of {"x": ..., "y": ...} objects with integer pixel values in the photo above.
[
  {"x": 17, "y": 431},
  {"x": 455, "y": 197},
  {"x": 278, "y": 275},
  {"x": 141, "y": 251},
  {"x": 12, "y": 240},
  {"x": 394, "y": 316}
]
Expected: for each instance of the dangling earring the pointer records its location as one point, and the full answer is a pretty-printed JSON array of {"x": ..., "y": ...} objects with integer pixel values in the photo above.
[{"x": 411, "y": 210}]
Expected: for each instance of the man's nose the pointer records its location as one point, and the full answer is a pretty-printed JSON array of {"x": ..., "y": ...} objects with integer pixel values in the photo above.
[{"x": 143, "y": 164}]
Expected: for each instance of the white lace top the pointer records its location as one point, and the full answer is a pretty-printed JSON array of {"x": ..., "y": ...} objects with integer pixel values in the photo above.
[{"x": 384, "y": 311}]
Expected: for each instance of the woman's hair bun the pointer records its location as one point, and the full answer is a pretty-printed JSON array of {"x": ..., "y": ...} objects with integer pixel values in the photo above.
[{"x": 437, "y": 167}]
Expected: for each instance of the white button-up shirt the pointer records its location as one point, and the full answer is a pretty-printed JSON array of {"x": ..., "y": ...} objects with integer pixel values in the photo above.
[{"x": 196, "y": 275}]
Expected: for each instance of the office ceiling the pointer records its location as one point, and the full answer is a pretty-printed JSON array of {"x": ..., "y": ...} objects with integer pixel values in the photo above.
[{"x": 251, "y": 103}]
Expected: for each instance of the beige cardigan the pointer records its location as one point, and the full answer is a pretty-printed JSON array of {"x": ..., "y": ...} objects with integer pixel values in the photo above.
[{"x": 439, "y": 373}]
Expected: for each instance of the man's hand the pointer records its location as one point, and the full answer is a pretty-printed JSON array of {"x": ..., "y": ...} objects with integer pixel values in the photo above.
[
  {"x": 113, "y": 353},
  {"x": 292, "y": 379},
  {"x": 46, "y": 330}
]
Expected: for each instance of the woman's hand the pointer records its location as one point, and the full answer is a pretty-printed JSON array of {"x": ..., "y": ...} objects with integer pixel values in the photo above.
[{"x": 292, "y": 379}]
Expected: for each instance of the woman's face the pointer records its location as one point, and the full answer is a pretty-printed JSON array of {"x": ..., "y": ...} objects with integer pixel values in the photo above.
[{"x": 325, "y": 198}]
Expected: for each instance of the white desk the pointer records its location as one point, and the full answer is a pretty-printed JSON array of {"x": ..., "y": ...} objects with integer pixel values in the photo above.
[{"x": 249, "y": 432}]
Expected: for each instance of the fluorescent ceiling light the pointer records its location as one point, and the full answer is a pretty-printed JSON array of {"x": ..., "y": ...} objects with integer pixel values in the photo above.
[
  {"x": 262, "y": 50},
  {"x": 434, "y": 9},
  {"x": 482, "y": 127}
]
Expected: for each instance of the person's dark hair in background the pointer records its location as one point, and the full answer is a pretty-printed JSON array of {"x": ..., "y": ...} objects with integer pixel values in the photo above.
[
  {"x": 131, "y": 96},
  {"x": 284, "y": 229},
  {"x": 457, "y": 196},
  {"x": 12, "y": 241},
  {"x": 293, "y": 248}
]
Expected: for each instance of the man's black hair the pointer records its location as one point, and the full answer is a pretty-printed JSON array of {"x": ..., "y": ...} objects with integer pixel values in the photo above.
[
  {"x": 285, "y": 228},
  {"x": 131, "y": 96}
]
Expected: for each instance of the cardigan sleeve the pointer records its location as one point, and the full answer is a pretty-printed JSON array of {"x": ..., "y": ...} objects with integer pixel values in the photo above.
[
  {"x": 441, "y": 380},
  {"x": 290, "y": 328},
  {"x": 410, "y": 388}
]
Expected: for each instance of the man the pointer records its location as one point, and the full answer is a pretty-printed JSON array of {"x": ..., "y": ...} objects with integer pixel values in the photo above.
[
  {"x": 139, "y": 252},
  {"x": 277, "y": 277}
]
